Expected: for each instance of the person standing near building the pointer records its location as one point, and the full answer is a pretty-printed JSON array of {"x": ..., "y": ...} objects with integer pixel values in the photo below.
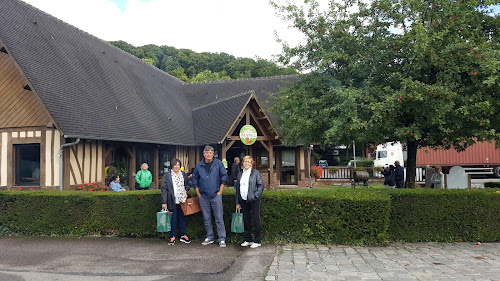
[
  {"x": 209, "y": 179},
  {"x": 143, "y": 178},
  {"x": 235, "y": 169},
  {"x": 174, "y": 189},
  {"x": 389, "y": 180},
  {"x": 399, "y": 175},
  {"x": 437, "y": 178},
  {"x": 249, "y": 188}
]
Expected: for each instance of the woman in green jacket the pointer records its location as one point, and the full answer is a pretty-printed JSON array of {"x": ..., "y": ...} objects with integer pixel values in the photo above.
[{"x": 143, "y": 178}]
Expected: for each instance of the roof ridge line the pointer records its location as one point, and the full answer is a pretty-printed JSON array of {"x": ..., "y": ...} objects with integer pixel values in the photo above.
[{"x": 224, "y": 99}]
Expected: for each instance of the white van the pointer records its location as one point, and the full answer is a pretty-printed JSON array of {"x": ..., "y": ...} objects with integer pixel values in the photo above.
[{"x": 387, "y": 153}]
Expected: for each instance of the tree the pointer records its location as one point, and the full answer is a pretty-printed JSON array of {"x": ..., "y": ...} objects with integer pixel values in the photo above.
[
  {"x": 421, "y": 72},
  {"x": 208, "y": 75}
]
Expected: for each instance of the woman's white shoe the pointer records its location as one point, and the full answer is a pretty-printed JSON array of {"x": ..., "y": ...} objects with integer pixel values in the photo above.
[{"x": 255, "y": 245}]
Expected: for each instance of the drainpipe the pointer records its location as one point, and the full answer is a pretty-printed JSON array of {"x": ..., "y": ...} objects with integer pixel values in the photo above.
[{"x": 60, "y": 153}]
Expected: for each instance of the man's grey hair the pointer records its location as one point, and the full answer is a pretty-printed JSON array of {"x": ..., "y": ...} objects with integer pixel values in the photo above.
[{"x": 208, "y": 148}]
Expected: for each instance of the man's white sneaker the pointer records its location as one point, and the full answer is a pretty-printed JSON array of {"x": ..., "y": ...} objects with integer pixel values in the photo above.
[
  {"x": 245, "y": 244},
  {"x": 255, "y": 245},
  {"x": 222, "y": 244},
  {"x": 207, "y": 241}
]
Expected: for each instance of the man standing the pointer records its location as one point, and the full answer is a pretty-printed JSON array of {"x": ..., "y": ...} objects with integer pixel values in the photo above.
[
  {"x": 399, "y": 175},
  {"x": 235, "y": 169},
  {"x": 209, "y": 180}
]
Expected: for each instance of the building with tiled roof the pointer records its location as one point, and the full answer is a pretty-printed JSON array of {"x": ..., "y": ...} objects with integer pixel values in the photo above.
[{"x": 64, "y": 89}]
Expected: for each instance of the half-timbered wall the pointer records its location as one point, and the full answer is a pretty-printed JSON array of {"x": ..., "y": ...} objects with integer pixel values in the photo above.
[
  {"x": 49, "y": 141},
  {"x": 187, "y": 155},
  {"x": 86, "y": 162}
]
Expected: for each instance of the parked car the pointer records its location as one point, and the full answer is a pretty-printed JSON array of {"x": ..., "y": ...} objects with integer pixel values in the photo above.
[{"x": 323, "y": 164}]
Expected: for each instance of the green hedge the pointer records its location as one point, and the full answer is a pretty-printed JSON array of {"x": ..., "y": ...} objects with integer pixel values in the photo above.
[
  {"x": 331, "y": 215},
  {"x": 492, "y": 184},
  {"x": 445, "y": 215}
]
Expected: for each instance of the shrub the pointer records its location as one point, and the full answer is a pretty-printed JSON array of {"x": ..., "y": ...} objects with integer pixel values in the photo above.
[
  {"x": 492, "y": 184},
  {"x": 333, "y": 170},
  {"x": 364, "y": 163},
  {"x": 97, "y": 186},
  {"x": 333, "y": 215},
  {"x": 444, "y": 215},
  {"x": 316, "y": 172}
]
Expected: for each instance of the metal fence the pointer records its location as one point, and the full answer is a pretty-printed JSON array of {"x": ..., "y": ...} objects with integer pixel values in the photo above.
[{"x": 345, "y": 173}]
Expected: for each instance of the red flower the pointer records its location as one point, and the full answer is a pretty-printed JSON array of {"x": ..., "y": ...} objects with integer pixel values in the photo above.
[
  {"x": 20, "y": 188},
  {"x": 32, "y": 188}
]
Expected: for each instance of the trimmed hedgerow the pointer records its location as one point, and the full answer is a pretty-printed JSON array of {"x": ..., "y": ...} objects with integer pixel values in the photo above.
[
  {"x": 492, "y": 184},
  {"x": 310, "y": 216},
  {"x": 445, "y": 215},
  {"x": 332, "y": 215}
]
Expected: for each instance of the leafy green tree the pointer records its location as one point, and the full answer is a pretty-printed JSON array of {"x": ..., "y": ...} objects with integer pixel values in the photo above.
[
  {"x": 170, "y": 59},
  {"x": 169, "y": 63},
  {"x": 421, "y": 72},
  {"x": 179, "y": 73},
  {"x": 123, "y": 45},
  {"x": 208, "y": 75},
  {"x": 149, "y": 60}
]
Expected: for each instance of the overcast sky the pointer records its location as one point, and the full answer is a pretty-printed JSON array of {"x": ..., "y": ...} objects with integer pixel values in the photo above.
[{"x": 243, "y": 28}]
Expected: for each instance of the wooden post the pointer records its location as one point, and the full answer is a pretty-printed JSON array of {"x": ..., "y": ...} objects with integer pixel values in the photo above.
[
  {"x": 445, "y": 181},
  {"x": 132, "y": 154},
  {"x": 271, "y": 170},
  {"x": 156, "y": 166},
  {"x": 224, "y": 149},
  {"x": 469, "y": 181}
]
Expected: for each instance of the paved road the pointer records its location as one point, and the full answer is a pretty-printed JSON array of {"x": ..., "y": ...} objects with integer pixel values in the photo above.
[
  {"x": 398, "y": 261},
  {"x": 110, "y": 259},
  {"x": 113, "y": 259}
]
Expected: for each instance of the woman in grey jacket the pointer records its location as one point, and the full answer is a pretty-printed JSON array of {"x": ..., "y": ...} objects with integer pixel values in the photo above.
[
  {"x": 249, "y": 188},
  {"x": 173, "y": 193}
]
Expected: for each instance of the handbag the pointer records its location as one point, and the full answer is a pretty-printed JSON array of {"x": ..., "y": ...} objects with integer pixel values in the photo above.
[
  {"x": 237, "y": 222},
  {"x": 163, "y": 219},
  {"x": 191, "y": 206}
]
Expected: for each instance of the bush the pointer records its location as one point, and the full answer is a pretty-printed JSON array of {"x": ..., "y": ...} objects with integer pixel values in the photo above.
[
  {"x": 492, "y": 184},
  {"x": 316, "y": 172},
  {"x": 445, "y": 215},
  {"x": 364, "y": 163},
  {"x": 303, "y": 216},
  {"x": 332, "y": 215}
]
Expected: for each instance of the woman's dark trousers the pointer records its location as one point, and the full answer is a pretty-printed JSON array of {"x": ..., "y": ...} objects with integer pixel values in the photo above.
[{"x": 254, "y": 207}]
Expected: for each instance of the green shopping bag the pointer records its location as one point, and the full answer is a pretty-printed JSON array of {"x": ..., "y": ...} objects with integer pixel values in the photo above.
[
  {"x": 163, "y": 221},
  {"x": 237, "y": 222}
]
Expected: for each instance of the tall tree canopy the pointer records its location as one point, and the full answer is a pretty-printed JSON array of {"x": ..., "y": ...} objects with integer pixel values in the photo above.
[
  {"x": 421, "y": 72},
  {"x": 190, "y": 66}
]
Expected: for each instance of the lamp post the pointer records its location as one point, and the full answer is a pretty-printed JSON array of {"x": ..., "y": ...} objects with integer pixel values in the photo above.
[
  {"x": 354, "y": 152},
  {"x": 309, "y": 164}
]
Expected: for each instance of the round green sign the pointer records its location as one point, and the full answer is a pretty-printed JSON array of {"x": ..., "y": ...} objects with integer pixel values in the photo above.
[{"x": 248, "y": 135}]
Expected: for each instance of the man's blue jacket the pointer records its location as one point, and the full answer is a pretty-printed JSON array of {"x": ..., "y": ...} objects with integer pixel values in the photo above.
[{"x": 209, "y": 184}]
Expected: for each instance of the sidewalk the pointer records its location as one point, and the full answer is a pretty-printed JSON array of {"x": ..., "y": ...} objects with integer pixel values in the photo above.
[
  {"x": 127, "y": 259},
  {"x": 397, "y": 261}
]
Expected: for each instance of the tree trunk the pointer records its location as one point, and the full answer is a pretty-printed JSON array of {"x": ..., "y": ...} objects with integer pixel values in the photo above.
[{"x": 411, "y": 162}]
